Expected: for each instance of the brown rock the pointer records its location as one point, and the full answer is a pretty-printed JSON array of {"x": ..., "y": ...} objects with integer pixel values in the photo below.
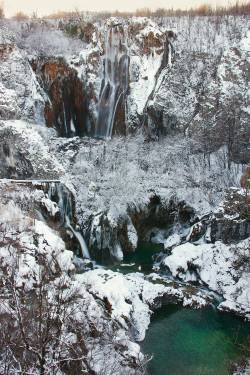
[
  {"x": 245, "y": 178},
  {"x": 68, "y": 109}
]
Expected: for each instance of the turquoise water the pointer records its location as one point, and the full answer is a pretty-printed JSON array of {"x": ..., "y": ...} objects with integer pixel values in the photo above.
[
  {"x": 185, "y": 341},
  {"x": 139, "y": 261},
  {"x": 194, "y": 342}
]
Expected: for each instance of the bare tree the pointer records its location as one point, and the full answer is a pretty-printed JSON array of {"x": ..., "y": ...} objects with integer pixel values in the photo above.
[
  {"x": 1, "y": 10},
  {"x": 37, "y": 330},
  {"x": 45, "y": 328}
]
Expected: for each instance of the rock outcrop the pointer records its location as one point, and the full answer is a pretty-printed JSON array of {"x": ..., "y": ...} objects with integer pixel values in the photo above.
[
  {"x": 24, "y": 154},
  {"x": 21, "y": 97},
  {"x": 245, "y": 179},
  {"x": 205, "y": 91},
  {"x": 67, "y": 109},
  {"x": 231, "y": 222}
]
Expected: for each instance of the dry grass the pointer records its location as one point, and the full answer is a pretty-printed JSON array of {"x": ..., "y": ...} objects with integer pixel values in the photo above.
[{"x": 239, "y": 8}]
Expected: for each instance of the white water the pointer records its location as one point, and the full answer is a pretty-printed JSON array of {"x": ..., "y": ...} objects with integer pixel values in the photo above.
[
  {"x": 65, "y": 120},
  {"x": 65, "y": 207},
  {"x": 82, "y": 243},
  {"x": 115, "y": 80}
]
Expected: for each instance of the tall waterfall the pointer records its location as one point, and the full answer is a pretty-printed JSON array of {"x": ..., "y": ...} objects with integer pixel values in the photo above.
[{"x": 115, "y": 80}]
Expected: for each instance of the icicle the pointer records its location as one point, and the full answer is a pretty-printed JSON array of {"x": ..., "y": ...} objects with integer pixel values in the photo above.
[
  {"x": 169, "y": 55},
  {"x": 65, "y": 121}
]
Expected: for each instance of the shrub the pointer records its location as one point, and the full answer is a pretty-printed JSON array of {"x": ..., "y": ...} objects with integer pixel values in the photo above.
[{"x": 1, "y": 11}]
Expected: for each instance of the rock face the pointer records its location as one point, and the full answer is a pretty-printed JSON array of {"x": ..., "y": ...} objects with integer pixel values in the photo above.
[
  {"x": 67, "y": 109},
  {"x": 245, "y": 178},
  {"x": 218, "y": 254},
  {"x": 204, "y": 92},
  {"x": 118, "y": 66},
  {"x": 185, "y": 76},
  {"x": 231, "y": 222}
]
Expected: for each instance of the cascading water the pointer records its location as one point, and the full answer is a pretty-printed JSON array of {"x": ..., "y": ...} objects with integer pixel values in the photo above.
[
  {"x": 115, "y": 80},
  {"x": 57, "y": 192}
]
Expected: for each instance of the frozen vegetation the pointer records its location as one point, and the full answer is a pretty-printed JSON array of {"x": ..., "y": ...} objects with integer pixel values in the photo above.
[{"x": 162, "y": 109}]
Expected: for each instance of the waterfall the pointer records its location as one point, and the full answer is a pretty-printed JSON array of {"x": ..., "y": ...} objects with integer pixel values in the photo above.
[
  {"x": 65, "y": 120},
  {"x": 115, "y": 80},
  {"x": 59, "y": 193},
  {"x": 79, "y": 237}
]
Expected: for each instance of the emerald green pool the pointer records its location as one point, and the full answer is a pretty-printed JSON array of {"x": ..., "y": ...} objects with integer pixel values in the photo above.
[
  {"x": 194, "y": 342},
  {"x": 141, "y": 260}
]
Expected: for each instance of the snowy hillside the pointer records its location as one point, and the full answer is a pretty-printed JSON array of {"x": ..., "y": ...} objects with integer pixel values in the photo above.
[{"x": 115, "y": 133}]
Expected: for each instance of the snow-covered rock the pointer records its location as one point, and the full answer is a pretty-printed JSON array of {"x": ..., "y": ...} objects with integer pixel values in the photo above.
[
  {"x": 132, "y": 298},
  {"x": 24, "y": 152},
  {"x": 21, "y": 96},
  {"x": 206, "y": 83},
  {"x": 126, "y": 188},
  {"x": 223, "y": 268},
  {"x": 172, "y": 240},
  {"x": 115, "y": 182}
]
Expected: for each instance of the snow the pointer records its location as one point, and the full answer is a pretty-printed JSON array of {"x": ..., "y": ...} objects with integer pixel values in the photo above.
[
  {"x": 51, "y": 207},
  {"x": 31, "y": 241},
  {"x": 20, "y": 93},
  {"x": 181, "y": 256},
  {"x": 140, "y": 90},
  {"x": 114, "y": 196},
  {"x": 245, "y": 43},
  {"x": 172, "y": 240},
  {"x": 132, "y": 235},
  {"x": 132, "y": 297},
  {"x": 27, "y": 136},
  {"x": 25, "y": 229},
  {"x": 216, "y": 266}
]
